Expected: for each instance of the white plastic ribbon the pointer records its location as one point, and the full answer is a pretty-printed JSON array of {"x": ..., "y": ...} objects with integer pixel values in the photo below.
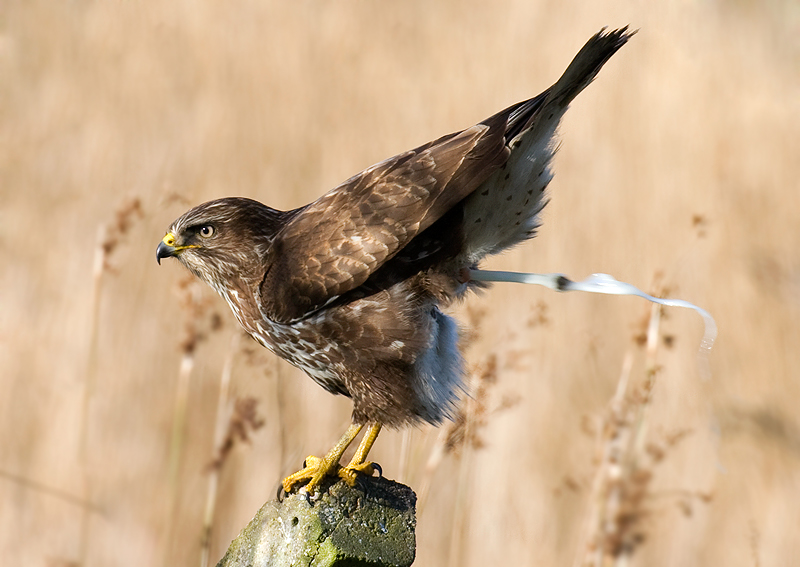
[{"x": 600, "y": 283}]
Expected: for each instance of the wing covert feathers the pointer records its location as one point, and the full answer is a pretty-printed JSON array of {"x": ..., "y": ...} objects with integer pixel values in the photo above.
[{"x": 334, "y": 244}]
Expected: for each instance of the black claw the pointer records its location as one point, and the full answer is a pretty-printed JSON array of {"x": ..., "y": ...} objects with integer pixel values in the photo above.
[
  {"x": 378, "y": 468},
  {"x": 281, "y": 493}
]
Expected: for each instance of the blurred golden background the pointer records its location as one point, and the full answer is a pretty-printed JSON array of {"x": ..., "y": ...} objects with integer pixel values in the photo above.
[{"x": 678, "y": 173}]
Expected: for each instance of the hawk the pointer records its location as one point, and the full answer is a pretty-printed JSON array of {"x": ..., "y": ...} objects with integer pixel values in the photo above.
[{"x": 351, "y": 288}]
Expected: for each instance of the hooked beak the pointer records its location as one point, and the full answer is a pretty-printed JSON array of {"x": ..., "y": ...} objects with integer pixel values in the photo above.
[{"x": 166, "y": 248}]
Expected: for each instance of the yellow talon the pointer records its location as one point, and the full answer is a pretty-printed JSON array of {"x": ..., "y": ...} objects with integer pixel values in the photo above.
[
  {"x": 349, "y": 474},
  {"x": 315, "y": 469},
  {"x": 310, "y": 468},
  {"x": 359, "y": 463}
]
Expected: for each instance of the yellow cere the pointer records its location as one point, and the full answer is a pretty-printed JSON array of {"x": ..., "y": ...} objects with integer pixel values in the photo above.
[{"x": 170, "y": 240}]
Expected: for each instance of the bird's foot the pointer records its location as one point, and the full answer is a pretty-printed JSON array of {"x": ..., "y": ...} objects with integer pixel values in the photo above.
[
  {"x": 315, "y": 470},
  {"x": 351, "y": 472}
]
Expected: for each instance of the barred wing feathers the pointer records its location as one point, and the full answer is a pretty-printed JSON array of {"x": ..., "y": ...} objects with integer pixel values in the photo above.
[{"x": 334, "y": 244}]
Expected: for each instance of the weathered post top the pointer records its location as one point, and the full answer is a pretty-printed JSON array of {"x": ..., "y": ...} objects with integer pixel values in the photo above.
[{"x": 370, "y": 524}]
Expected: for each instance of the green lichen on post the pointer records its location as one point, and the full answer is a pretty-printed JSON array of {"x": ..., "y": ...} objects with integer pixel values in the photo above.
[{"x": 371, "y": 524}]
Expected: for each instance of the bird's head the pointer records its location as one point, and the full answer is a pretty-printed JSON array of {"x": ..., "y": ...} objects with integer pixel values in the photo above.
[{"x": 223, "y": 239}]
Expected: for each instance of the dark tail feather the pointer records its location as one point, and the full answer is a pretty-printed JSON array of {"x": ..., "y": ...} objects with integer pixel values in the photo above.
[
  {"x": 582, "y": 71},
  {"x": 586, "y": 64}
]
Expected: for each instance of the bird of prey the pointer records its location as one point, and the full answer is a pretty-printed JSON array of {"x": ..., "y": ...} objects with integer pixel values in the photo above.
[{"x": 351, "y": 288}]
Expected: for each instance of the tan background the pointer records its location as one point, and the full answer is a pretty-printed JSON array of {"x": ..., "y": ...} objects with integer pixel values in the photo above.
[{"x": 682, "y": 158}]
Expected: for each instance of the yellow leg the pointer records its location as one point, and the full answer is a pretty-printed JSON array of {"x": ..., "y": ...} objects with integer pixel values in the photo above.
[
  {"x": 359, "y": 464},
  {"x": 315, "y": 468}
]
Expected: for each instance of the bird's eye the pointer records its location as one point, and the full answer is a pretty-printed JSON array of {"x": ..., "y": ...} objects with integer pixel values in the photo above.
[{"x": 207, "y": 231}]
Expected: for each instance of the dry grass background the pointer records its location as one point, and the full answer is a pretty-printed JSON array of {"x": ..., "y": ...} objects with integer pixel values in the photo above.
[{"x": 680, "y": 160}]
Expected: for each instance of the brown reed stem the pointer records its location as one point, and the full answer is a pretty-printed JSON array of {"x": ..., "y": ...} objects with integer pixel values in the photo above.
[
  {"x": 462, "y": 509},
  {"x": 176, "y": 445},
  {"x": 41, "y": 488},
  {"x": 109, "y": 236},
  {"x": 98, "y": 269},
  {"x": 620, "y": 483},
  {"x": 220, "y": 426}
]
